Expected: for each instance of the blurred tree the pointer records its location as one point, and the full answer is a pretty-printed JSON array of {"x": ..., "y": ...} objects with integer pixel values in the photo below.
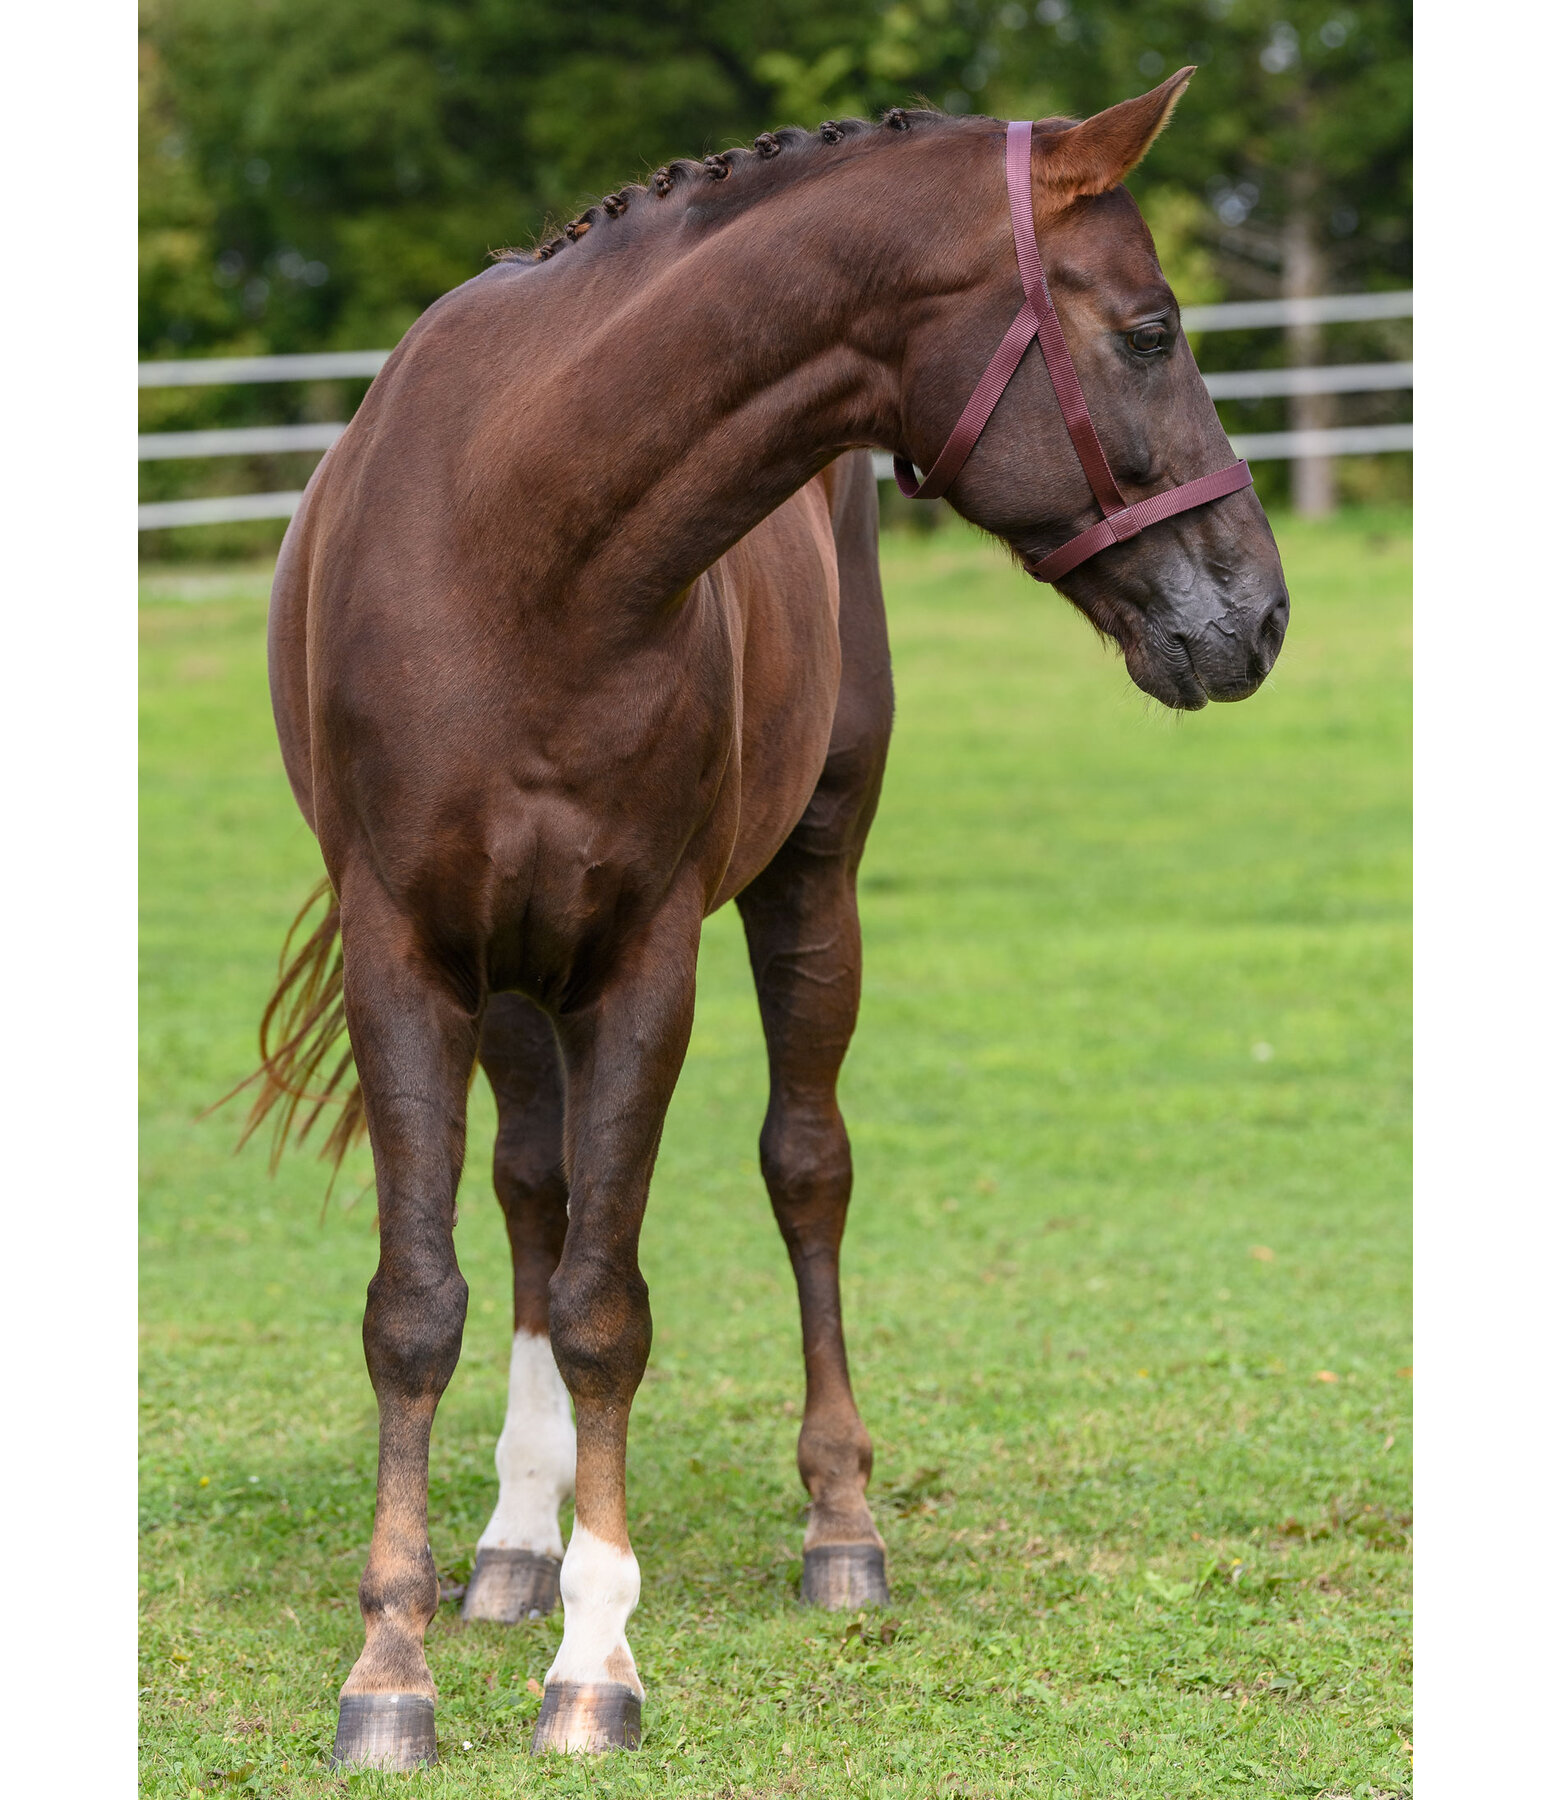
[
  {"x": 355, "y": 158},
  {"x": 179, "y": 300}
]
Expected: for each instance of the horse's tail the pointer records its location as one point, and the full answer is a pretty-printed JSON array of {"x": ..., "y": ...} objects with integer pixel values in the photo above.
[{"x": 303, "y": 1070}]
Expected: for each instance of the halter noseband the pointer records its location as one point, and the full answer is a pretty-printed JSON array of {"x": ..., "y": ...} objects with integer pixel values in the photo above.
[{"x": 1038, "y": 318}]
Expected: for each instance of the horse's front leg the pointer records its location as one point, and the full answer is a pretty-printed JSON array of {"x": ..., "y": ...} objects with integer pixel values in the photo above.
[
  {"x": 517, "y": 1569},
  {"x": 414, "y": 1041},
  {"x": 622, "y": 1054}
]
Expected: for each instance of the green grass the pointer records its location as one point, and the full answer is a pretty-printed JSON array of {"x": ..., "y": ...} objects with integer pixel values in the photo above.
[{"x": 1126, "y": 1273}]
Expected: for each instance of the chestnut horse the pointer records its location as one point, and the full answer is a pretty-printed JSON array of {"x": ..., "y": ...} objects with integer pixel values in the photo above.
[{"x": 577, "y": 635}]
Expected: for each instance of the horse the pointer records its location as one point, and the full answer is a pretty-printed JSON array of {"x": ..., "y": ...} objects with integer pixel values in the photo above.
[{"x": 577, "y": 635}]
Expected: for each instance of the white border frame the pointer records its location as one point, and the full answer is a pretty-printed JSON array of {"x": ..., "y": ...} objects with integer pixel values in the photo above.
[
  {"x": 67, "y": 1502},
  {"x": 1483, "y": 937}
]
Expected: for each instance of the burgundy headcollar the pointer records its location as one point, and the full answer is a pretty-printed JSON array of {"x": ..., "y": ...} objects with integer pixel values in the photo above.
[{"x": 1038, "y": 318}]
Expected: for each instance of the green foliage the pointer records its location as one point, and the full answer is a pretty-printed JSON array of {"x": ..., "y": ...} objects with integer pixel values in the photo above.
[
  {"x": 393, "y": 142},
  {"x": 1135, "y": 1017},
  {"x": 1297, "y": 103},
  {"x": 317, "y": 171}
]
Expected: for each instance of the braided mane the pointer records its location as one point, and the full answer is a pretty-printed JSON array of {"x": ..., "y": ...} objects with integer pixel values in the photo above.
[{"x": 683, "y": 174}]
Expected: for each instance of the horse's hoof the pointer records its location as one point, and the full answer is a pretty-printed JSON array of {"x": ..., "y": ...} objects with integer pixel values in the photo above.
[
  {"x": 508, "y": 1586},
  {"x": 588, "y": 1715},
  {"x": 385, "y": 1731},
  {"x": 844, "y": 1576}
]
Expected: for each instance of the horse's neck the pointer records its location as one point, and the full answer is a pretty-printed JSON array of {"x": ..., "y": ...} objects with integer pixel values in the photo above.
[{"x": 695, "y": 385}]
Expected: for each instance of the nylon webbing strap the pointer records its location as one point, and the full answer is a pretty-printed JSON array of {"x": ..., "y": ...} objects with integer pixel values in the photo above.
[
  {"x": 1057, "y": 358},
  {"x": 1130, "y": 519},
  {"x": 1037, "y": 317},
  {"x": 971, "y": 421}
]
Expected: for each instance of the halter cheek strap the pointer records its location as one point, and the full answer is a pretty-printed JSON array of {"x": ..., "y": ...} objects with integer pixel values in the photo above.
[{"x": 1037, "y": 318}]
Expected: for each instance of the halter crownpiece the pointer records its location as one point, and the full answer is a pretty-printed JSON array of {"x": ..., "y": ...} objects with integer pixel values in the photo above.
[{"x": 1037, "y": 318}]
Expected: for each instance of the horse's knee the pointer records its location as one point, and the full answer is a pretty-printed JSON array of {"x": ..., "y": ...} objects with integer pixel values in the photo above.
[
  {"x": 599, "y": 1326},
  {"x": 413, "y": 1332}
]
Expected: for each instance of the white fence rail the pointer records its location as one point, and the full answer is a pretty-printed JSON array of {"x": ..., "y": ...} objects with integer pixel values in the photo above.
[
  {"x": 1235, "y": 384},
  {"x": 219, "y": 509},
  {"x": 218, "y": 371},
  {"x": 248, "y": 440},
  {"x": 1329, "y": 378},
  {"x": 1317, "y": 309}
]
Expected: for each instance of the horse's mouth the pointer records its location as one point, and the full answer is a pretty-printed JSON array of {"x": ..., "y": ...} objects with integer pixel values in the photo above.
[
  {"x": 1183, "y": 670},
  {"x": 1165, "y": 671},
  {"x": 1170, "y": 672}
]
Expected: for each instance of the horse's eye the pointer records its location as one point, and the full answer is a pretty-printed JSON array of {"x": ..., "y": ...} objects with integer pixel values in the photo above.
[{"x": 1148, "y": 340}]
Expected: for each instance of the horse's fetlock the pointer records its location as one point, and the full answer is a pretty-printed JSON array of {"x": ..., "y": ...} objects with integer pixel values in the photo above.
[
  {"x": 406, "y": 1592},
  {"x": 831, "y": 1454}
]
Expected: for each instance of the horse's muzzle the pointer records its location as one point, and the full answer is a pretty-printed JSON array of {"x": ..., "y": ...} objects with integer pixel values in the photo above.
[{"x": 1184, "y": 665}]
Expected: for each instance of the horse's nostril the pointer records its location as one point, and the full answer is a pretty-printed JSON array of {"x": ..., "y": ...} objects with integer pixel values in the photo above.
[{"x": 1272, "y": 629}]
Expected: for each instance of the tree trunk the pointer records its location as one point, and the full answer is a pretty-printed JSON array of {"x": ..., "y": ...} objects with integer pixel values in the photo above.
[{"x": 1306, "y": 272}]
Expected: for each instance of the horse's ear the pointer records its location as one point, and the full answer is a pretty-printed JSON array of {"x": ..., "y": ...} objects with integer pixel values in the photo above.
[{"x": 1098, "y": 154}]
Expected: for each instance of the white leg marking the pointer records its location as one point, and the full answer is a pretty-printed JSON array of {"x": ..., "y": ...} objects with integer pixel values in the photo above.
[
  {"x": 599, "y": 1586},
  {"x": 536, "y": 1455}
]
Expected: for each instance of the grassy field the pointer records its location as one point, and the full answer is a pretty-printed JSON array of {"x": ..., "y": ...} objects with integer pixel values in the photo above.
[{"x": 1126, "y": 1273}]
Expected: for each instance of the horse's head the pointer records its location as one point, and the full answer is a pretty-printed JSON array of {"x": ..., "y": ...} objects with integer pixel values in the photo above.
[{"x": 1197, "y": 602}]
